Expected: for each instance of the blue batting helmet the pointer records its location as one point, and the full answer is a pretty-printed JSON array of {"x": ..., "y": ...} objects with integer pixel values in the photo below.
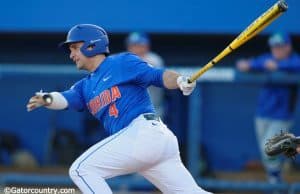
[
  {"x": 279, "y": 38},
  {"x": 93, "y": 36}
]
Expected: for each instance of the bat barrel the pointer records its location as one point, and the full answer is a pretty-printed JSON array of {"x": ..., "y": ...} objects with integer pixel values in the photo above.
[{"x": 253, "y": 29}]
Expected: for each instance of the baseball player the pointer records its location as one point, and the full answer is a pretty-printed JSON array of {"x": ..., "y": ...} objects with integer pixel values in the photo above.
[{"x": 115, "y": 92}]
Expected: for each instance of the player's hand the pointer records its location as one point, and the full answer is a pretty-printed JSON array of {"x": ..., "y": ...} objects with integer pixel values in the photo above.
[
  {"x": 271, "y": 65},
  {"x": 37, "y": 101},
  {"x": 186, "y": 87},
  {"x": 243, "y": 65},
  {"x": 298, "y": 149}
]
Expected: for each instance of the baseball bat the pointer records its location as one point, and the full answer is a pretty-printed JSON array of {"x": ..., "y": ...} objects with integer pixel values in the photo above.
[{"x": 254, "y": 28}]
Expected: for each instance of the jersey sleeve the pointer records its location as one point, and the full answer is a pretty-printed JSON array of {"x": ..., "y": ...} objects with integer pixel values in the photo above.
[
  {"x": 74, "y": 96},
  {"x": 290, "y": 64},
  {"x": 258, "y": 63},
  {"x": 141, "y": 72}
]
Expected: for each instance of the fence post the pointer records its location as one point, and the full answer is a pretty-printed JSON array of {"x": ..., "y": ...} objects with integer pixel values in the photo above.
[{"x": 193, "y": 132}]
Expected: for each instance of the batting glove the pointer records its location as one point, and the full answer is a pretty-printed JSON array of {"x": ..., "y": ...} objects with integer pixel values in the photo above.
[
  {"x": 38, "y": 100},
  {"x": 186, "y": 87}
]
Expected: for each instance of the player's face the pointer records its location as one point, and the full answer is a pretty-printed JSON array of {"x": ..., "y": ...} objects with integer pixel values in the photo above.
[
  {"x": 76, "y": 55},
  {"x": 282, "y": 51}
]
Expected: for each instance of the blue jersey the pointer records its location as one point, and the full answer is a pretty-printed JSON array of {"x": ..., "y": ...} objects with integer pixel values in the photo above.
[
  {"x": 277, "y": 101},
  {"x": 116, "y": 92}
]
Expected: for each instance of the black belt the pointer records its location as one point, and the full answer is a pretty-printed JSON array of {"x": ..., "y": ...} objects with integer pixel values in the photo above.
[{"x": 151, "y": 116}]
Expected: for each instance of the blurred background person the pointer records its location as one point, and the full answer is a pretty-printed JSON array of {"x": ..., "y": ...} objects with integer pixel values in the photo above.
[
  {"x": 276, "y": 102},
  {"x": 140, "y": 44}
]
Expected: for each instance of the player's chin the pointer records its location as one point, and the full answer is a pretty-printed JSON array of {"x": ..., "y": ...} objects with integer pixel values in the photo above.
[{"x": 79, "y": 65}]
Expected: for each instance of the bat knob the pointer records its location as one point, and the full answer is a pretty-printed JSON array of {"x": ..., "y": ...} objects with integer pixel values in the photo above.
[{"x": 283, "y": 6}]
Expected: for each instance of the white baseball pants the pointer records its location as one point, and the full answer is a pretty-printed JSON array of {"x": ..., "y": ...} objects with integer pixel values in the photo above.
[{"x": 146, "y": 147}]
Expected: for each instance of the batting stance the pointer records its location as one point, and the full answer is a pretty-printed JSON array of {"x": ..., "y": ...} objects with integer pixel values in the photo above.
[{"x": 115, "y": 92}]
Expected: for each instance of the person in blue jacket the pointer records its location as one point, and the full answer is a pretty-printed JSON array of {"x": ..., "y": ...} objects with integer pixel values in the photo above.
[{"x": 276, "y": 102}]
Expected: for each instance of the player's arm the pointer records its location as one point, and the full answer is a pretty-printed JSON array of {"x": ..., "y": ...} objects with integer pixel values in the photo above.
[
  {"x": 253, "y": 64},
  {"x": 267, "y": 63},
  {"x": 290, "y": 64},
  {"x": 167, "y": 79},
  {"x": 53, "y": 100},
  {"x": 170, "y": 79},
  {"x": 173, "y": 80},
  {"x": 71, "y": 98},
  {"x": 145, "y": 75}
]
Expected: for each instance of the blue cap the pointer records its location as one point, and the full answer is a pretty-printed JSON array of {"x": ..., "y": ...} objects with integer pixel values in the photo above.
[
  {"x": 279, "y": 39},
  {"x": 137, "y": 38}
]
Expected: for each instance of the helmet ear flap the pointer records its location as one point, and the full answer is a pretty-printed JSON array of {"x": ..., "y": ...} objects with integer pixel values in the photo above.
[
  {"x": 99, "y": 46},
  {"x": 86, "y": 49},
  {"x": 91, "y": 47}
]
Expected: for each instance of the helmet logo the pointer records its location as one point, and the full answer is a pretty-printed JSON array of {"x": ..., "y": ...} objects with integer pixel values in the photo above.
[{"x": 93, "y": 41}]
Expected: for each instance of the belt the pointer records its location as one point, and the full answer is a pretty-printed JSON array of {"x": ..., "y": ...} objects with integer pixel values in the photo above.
[{"x": 151, "y": 116}]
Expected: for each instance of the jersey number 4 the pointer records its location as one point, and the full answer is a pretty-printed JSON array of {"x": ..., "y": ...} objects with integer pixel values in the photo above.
[{"x": 113, "y": 110}]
